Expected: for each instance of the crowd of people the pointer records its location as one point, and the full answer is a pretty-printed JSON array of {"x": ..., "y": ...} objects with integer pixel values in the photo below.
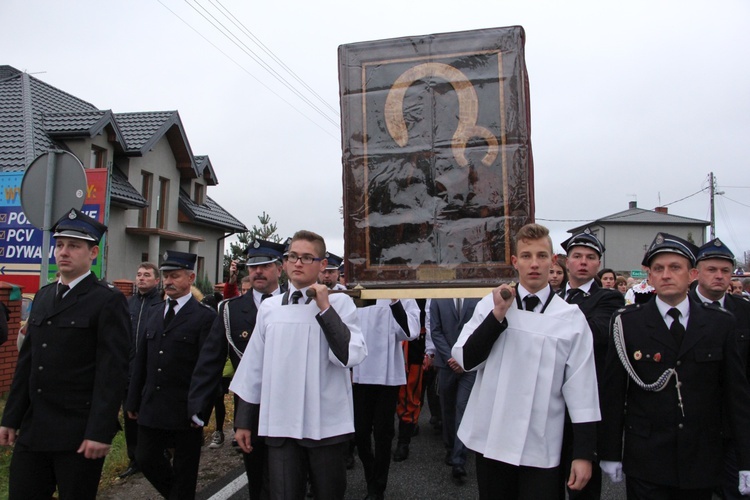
[{"x": 571, "y": 374}]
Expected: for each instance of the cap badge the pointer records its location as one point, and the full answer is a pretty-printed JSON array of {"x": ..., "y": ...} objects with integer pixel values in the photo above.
[
  {"x": 256, "y": 244},
  {"x": 165, "y": 256},
  {"x": 659, "y": 239},
  {"x": 717, "y": 243},
  {"x": 72, "y": 215}
]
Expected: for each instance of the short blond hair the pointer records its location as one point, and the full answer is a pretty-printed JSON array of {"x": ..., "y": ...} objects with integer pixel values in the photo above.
[{"x": 532, "y": 232}]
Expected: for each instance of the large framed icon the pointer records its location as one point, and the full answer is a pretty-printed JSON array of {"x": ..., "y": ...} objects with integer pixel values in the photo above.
[{"x": 438, "y": 170}]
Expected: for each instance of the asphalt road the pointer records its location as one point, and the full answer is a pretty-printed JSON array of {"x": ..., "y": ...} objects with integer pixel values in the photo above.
[{"x": 422, "y": 476}]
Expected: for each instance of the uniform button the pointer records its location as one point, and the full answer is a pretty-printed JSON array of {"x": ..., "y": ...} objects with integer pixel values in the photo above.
[
  {"x": 38, "y": 391},
  {"x": 679, "y": 363},
  {"x": 72, "y": 322},
  {"x": 163, "y": 334},
  {"x": 158, "y": 388},
  {"x": 49, "y": 322},
  {"x": 41, "y": 368},
  {"x": 44, "y": 346},
  {"x": 680, "y": 426},
  {"x": 158, "y": 370},
  {"x": 709, "y": 355},
  {"x": 161, "y": 352}
]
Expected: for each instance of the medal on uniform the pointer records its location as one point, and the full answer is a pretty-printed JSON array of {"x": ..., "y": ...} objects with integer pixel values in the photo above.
[
  {"x": 657, "y": 357},
  {"x": 637, "y": 355},
  {"x": 244, "y": 334}
]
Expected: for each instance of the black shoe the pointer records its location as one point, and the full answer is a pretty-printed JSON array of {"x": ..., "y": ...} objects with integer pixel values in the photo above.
[
  {"x": 374, "y": 496},
  {"x": 132, "y": 469},
  {"x": 416, "y": 431},
  {"x": 448, "y": 459},
  {"x": 401, "y": 453},
  {"x": 459, "y": 473}
]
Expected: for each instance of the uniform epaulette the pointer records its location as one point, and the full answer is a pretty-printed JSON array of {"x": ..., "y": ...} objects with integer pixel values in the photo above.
[
  {"x": 628, "y": 309},
  {"x": 106, "y": 284},
  {"x": 708, "y": 305},
  {"x": 207, "y": 306}
]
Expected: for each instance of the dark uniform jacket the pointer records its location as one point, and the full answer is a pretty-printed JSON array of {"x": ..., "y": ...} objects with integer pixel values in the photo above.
[
  {"x": 740, "y": 308},
  {"x": 598, "y": 306},
  {"x": 207, "y": 374},
  {"x": 661, "y": 445},
  {"x": 72, "y": 368},
  {"x": 164, "y": 365}
]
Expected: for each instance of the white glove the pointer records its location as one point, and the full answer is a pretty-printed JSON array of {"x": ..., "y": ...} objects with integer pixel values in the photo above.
[
  {"x": 614, "y": 471},
  {"x": 745, "y": 482}
]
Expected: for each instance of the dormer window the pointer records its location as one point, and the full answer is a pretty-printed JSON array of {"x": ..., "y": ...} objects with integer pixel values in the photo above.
[
  {"x": 199, "y": 194},
  {"x": 98, "y": 158}
]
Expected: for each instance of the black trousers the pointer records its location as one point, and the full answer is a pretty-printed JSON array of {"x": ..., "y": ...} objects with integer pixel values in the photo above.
[
  {"x": 374, "y": 408},
  {"x": 256, "y": 469},
  {"x": 638, "y": 489},
  {"x": 34, "y": 475},
  {"x": 593, "y": 489},
  {"x": 130, "y": 427},
  {"x": 290, "y": 464},
  {"x": 499, "y": 480},
  {"x": 176, "y": 480}
]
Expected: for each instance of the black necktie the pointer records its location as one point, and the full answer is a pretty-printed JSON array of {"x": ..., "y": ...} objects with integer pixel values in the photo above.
[
  {"x": 459, "y": 303},
  {"x": 575, "y": 296},
  {"x": 531, "y": 301},
  {"x": 170, "y": 312},
  {"x": 296, "y": 296},
  {"x": 61, "y": 289},
  {"x": 677, "y": 330},
  {"x": 716, "y": 303},
  {"x": 265, "y": 296}
]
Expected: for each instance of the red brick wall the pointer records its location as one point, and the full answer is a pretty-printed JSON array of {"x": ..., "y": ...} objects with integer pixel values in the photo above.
[
  {"x": 125, "y": 286},
  {"x": 8, "y": 351}
]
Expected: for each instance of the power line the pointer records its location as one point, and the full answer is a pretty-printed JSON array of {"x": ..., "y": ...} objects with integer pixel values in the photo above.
[
  {"x": 255, "y": 57},
  {"x": 268, "y": 51},
  {"x": 246, "y": 70}
]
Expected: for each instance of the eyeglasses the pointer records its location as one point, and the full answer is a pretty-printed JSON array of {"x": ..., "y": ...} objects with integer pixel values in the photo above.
[{"x": 305, "y": 259}]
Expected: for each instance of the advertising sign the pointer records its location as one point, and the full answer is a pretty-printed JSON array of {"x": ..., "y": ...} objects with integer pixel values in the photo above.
[{"x": 21, "y": 242}]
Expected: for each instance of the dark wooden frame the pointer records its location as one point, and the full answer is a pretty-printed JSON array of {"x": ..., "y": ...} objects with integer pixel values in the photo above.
[{"x": 493, "y": 146}]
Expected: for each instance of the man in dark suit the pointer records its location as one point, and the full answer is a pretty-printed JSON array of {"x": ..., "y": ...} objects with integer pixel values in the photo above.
[
  {"x": 147, "y": 292},
  {"x": 230, "y": 333},
  {"x": 714, "y": 265},
  {"x": 447, "y": 318},
  {"x": 674, "y": 363},
  {"x": 584, "y": 253},
  {"x": 157, "y": 397},
  {"x": 62, "y": 407}
]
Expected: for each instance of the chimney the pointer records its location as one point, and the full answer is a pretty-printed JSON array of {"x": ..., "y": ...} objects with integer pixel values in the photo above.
[
  {"x": 661, "y": 210},
  {"x": 632, "y": 205}
]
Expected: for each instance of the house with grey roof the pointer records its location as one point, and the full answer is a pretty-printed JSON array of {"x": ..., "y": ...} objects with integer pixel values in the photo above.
[
  {"x": 627, "y": 235},
  {"x": 158, "y": 189}
]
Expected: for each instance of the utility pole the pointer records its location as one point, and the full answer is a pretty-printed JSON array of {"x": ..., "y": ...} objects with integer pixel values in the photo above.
[
  {"x": 713, "y": 217},
  {"x": 714, "y": 192}
]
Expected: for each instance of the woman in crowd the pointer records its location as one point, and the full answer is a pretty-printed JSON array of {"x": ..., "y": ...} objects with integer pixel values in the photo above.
[
  {"x": 607, "y": 278},
  {"x": 558, "y": 276},
  {"x": 621, "y": 283}
]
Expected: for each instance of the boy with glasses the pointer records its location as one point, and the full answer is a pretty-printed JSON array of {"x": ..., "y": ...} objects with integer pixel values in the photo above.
[{"x": 294, "y": 378}]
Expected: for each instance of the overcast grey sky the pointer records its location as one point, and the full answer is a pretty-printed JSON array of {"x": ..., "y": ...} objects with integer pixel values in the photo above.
[{"x": 629, "y": 100}]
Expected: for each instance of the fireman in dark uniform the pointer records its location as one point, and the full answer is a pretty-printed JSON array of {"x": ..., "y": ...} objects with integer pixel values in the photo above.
[
  {"x": 230, "y": 333},
  {"x": 166, "y": 357},
  {"x": 715, "y": 263},
  {"x": 674, "y": 363},
  {"x": 71, "y": 373}
]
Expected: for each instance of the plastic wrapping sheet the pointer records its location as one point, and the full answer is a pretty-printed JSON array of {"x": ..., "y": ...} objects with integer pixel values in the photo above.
[{"x": 438, "y": 171}]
